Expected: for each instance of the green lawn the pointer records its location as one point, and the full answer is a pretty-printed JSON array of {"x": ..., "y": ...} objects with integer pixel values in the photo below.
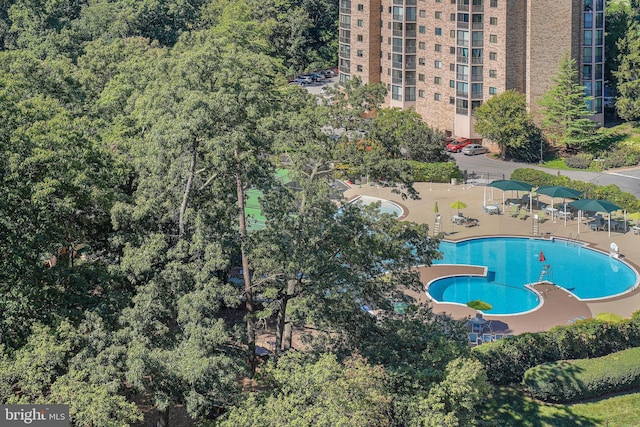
[{"x": 511, "y": 407}]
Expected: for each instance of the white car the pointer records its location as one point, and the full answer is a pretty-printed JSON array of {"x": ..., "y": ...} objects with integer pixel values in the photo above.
[{"x": 473, "y": 149}]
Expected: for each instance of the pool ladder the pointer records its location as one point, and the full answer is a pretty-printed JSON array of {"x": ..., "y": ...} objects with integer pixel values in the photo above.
[{"x": 546, "y": 270}]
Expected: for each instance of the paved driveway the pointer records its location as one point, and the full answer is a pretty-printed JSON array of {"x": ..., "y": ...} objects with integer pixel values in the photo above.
[{"x": 627, "y": 179}]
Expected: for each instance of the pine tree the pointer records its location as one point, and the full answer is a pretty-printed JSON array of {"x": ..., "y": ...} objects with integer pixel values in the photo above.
[
  {"x": 628, "y": 75},
  {"x": 566, "y": 110}
]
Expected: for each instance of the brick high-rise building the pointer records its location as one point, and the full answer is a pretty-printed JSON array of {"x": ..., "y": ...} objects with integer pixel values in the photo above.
[{"x": 445, "y": 57}]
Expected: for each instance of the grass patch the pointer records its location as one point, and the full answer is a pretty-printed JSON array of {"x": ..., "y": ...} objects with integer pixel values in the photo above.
[
  {"x": 559, "y": 164},
  {"x": 511, "y": 407}
]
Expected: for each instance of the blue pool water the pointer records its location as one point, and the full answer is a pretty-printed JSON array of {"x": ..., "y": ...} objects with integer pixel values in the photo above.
[
  {"x": 386, "y": 206},
  {"x": 514, "y": 262}
]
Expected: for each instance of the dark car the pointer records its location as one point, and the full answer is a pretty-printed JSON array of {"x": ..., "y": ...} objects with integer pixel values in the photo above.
[
  {"x": 473, "y": 149},
  {"x": 457, "y": 145}
]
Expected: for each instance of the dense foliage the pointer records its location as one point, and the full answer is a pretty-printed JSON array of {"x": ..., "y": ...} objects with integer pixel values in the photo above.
[
  {"x": 507, "y": 360},
  {"x": 571, "y": 380}
]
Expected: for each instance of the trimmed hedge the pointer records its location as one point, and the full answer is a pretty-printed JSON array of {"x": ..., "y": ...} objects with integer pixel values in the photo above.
[
  {"x": 434, "y": 172},
  {"x": 571, "y": 380},
  {"x": 507, "y": 360},
  {"x": 610, "y": 193}
]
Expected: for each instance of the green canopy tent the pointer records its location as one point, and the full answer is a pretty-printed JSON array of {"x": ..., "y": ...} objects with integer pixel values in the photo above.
[
  {"x": 554, "y": 191},
  {"x": 511, "y": 185},
  {"x": 593, "y": 205}
]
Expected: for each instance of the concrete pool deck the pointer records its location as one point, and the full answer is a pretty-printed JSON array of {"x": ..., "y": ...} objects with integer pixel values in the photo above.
[{"x": 560, "y": 307}]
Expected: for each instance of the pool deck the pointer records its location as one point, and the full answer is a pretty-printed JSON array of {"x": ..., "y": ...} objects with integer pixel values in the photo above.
[{"x": 559, "y": 306}]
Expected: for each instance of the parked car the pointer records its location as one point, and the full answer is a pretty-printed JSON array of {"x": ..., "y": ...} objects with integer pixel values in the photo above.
[
  {"x": 473, "y": 149},
  {"x": 303, "y": 80},
  {"x": 457, "y": 145},
  {"x": 317, "y": 76}
]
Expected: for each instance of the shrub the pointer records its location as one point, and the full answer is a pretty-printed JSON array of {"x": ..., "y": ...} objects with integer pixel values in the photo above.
[
  {"x": 507, "y": 360},
  {"x": 566, "y": 381},
  {"x": 434, "y": 172},
  {"x": 611, "y": 192},
  {"x": 580, "y": 161}
]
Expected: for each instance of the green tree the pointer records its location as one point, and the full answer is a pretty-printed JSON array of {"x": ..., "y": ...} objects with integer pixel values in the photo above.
[
  {"x": 404, "y": 131},
  {"x": 628, "y": 75},
  {"x": 325, "y": 392},
  {"x": 617, "y": 21},
  {"x": 504, "y": 119},
  {"x": 566, "y": 110}
]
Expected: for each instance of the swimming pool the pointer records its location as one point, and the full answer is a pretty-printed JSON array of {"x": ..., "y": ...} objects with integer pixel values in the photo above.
[
  {"x": 386, "y": 206},
  {"x": 513, "y": 262}
]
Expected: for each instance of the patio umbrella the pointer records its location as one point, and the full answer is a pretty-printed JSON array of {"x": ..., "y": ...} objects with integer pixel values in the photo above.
[
  {"x": 554, "y": 191},
  {"x": 435, "y": 208},
  {"x": 458, "y": 205},
  {"x": 594, "y": 205},
  {"x": 510, "y": 184}
]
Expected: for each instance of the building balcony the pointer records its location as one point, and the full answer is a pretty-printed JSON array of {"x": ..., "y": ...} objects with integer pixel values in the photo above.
[
  {"x": 410, "y": 66},
  {"x": 410, "y": 49},
  {"x": 477, "y": 8},
  {"x": 476, "y": 77},
  {"x": 476, "y": 60},
  {"x": 477, "y": 43},
  {"x": 463, "y": 25},
  {"x": 345, "y": 11},
  {"x": 461, "y": 94},
  {"x": 462, "y": 59},
  {"x": 463, "y": 77},
  {"x": 477, "y": 25},
  {"x": 345, "y": 25},
  {"x": 410, "y": 33},
  {"x": 345, "y": 40},
  {"x": 476, "y": 95},
  {"x": 464, "y": 111},
  {"x": 463, "y": 7}
]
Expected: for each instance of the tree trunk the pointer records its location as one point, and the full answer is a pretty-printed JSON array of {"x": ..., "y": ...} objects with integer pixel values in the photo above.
[
  {"x": 187, "y": 190},
  {"x": 246, "y": 275},
  {"x": 163, "y": 420},
  {"x": 283, "y": 327}
]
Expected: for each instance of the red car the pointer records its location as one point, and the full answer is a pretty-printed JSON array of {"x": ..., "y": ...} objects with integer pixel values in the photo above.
[{"x": 457, "y": 145}]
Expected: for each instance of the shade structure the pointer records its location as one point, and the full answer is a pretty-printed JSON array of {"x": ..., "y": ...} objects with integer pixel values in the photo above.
[
  {"x": 554, "y": 191},
  {"x": 593, "y": 205},
  {"x": 458, "y": 205},
  {"x": 559, "y": 191},
  {"x": 510, "y": 184},
  {"x": 435, "y": 208}
]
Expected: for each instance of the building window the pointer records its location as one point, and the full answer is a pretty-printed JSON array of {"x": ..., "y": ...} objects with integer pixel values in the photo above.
[
  {"x": 494, "y": 3},
  {"x": 438, "y": 15},
  {"x": 492, "y": 90},
  {"x": 410, "y": 94},
  {"x": 421, "y": 77},
  {"x": 422, "y": 45},
  {"x": 452, "y": 67},
  {"x": 360, "y": 22},
  {"x": 421, "y": 61},
  {"x": 452, "y": 34},
  {"x": 359, "y": 53},
  {"x": 493, "y": 38},
  {"x": 438, "y": 48},
  {"x": 493, "y": 56},
  {"x": 493, "y": 20},
  {"x": 438, "y": 64},
  {"x": 420, "y": 94},
  {"x": 396, "y": 93},
  {"x": 422, "y": 29},
  {"x": 359, "y": 68},
  {"x": 452, "y": 83},
  {"x": 436, "y": 97},
  {"x": 452, "y": 50},
  {"x": 359, "y": 37},
  {"x": 475, "y": 104},
  {"x": 438, "y": 31},
  {"x": 493, "y": 73},
  {"x": 477, "y": 2},
  {"x": 436, "y": 80},
  {"x": 360, "y": 7},
  {"x": 452, "y": 17},
  {"x": 452, "y": 100},
  {"x": 423, "y": 13}
]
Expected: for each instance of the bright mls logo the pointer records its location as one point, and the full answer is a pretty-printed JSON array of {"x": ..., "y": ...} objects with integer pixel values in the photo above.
[{"x": 36, "y": 415}]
